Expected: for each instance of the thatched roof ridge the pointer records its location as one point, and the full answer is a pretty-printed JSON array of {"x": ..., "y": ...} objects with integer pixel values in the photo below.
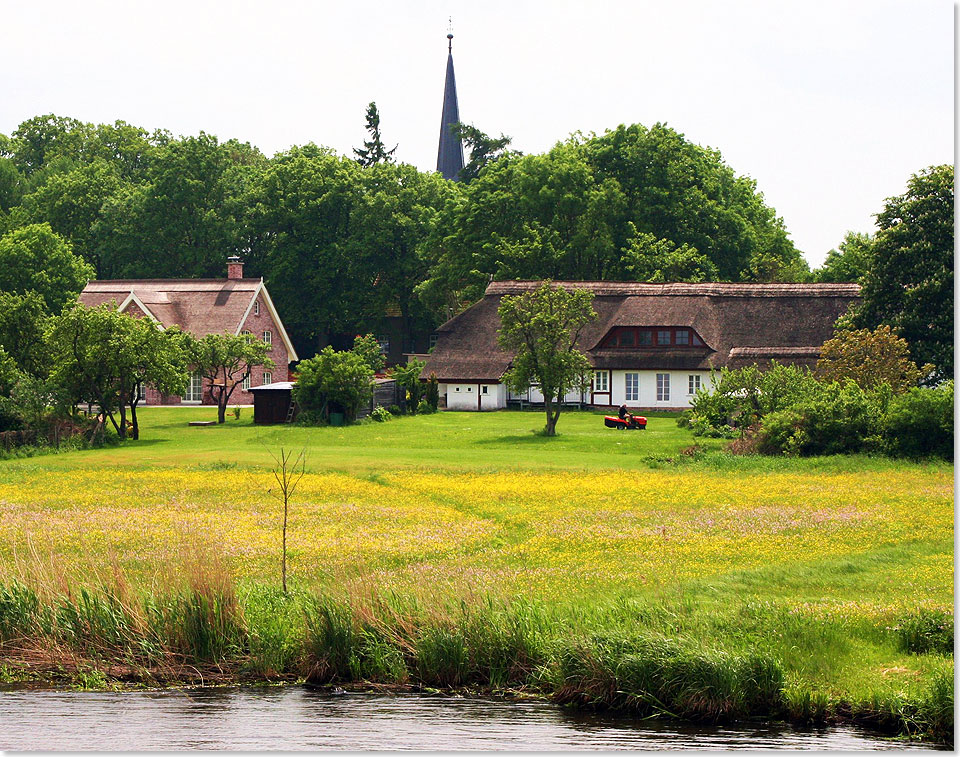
[{"x": 712, "y": 289}]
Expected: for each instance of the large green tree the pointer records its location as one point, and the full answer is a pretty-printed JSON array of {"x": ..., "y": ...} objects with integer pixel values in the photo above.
[
  {"x": 909, "y": 283},
  {"x": 849, "y": 262},
  {"x": 584, "y": 209},
  {"x": 541, "y": 328},
  {"x": 23, "y": 323},
  {"x": 35, "y": 259},
  {"x": 483, "y": 148}
]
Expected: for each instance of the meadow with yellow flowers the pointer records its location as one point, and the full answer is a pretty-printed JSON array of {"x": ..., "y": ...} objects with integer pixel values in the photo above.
[{"x": 633, "y": 570}]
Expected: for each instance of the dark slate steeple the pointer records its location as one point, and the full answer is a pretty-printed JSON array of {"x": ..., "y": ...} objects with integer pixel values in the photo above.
[{"x": 450, "y": 152}]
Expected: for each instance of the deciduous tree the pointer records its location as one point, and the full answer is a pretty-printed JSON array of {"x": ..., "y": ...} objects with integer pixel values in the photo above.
[
  {"x": 870, "y": 358},
  {"x": 909, "y": 285},
  {"x": 541, "y": 328},
  {"x": 35, "y": 259},
  {"x": 225, "y": 360}
]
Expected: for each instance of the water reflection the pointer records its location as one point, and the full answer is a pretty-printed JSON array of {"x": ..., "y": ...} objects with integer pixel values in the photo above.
[{"x": 295, "y": 718}]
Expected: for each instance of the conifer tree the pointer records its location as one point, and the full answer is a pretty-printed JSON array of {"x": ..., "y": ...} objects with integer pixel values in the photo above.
[{"x": 374, "y": 151}]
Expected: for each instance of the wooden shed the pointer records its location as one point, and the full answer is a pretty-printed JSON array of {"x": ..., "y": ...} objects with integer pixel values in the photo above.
[{"x": 273, "y": 403}]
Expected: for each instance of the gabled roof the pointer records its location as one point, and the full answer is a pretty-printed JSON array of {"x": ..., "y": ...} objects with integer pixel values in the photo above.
[
  {"x": 739, "y": 324},
  {"x": 199, "y": 306}
]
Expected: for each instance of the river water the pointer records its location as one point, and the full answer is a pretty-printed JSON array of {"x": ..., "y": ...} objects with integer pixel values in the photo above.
[{"x": 296, "y": 718}]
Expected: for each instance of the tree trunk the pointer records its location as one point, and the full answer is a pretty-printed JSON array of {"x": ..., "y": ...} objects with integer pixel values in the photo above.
[
  {"x": 133, "y": 417},
  {"x": 122, "y": 431},
  {"x": 551, "y": 428}
]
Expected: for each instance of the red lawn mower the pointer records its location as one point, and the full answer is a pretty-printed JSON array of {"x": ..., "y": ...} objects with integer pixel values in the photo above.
[{"x": 629, "y": 422}]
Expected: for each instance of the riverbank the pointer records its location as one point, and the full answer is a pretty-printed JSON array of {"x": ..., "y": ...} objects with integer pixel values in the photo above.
[
  {"x": 644, "y": 659},
  {"x": 634, "y": 571}
]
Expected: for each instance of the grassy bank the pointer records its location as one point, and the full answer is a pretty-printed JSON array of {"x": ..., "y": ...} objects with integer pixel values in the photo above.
[{"x": 610, "y": 569}]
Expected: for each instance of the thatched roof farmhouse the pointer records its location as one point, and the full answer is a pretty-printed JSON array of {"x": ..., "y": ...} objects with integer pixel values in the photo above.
[{"x": 652, "y": 345}]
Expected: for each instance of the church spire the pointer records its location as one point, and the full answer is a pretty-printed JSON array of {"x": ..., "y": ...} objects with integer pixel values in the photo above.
[{"x": 450, "y": 151}]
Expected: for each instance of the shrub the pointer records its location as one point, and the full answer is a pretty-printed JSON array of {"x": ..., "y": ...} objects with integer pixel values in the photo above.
[
  {"x": 425, "y": 408},
  {"x": 742, "y": 397},
  {"x": 837, "y": 419},
  {"x": 395, "y": 410},
  {"x": 380, "y": 414},
  {"x": 433, "y": 391},
  {"x": 333, "y": 381},
  {"x": 920, "y": 423}
]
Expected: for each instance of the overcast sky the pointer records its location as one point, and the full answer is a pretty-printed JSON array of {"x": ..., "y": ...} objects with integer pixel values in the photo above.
[{"x": 828, "y": 105}]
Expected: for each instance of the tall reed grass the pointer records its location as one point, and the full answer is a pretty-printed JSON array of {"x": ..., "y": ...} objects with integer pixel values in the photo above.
[{"x": 647, "y": 659}]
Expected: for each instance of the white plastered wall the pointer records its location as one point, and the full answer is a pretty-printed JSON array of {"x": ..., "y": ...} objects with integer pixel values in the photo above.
[
  {"x": 464, "y": 396},
  {"x": 679, "y": 388}
]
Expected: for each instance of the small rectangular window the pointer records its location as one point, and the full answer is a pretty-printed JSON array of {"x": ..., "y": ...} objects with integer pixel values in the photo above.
[
  {"x": 683, "y": 336},
  {"x": 663, "y": 387},
  {"x": 245, "y": 384},
  {"x": 485, "y": 390},
  {"x": 456, "y": 389},
  {"x": 626, "y": 338},
  {"x": 644, "y": 338},
  {"x": 433, "y": 340},
  {"x": 246, "y": 334},
  {"x": 267, "y": 337},
  {"x": 693, "y": 384},
  {"x": 600, "y": 381},
  {"x": 663, "y": 337},
  {"x": 384, "y": 342},
  {"x": 632, "y": 387},
  {"x": 256, "y": 307},
  {"x": 267, "y": 378}
]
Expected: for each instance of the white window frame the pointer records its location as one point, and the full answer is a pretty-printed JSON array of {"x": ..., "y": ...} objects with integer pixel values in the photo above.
[
  {"x": 268, "y": 337},
  {"x": 628, "y": 395},
  {"x": 194, "y": 393},
  {"x": 245, "y": 384},
  {"x": 267, "y": 378},
  {"x": 663, "y": 387},
  {"x": 256, "y": 307},
  {"x": 693, "y": 384},
  {"x": 601, "y": 381}
]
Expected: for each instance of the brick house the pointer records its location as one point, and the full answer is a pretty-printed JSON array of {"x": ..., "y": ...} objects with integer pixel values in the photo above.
[
  {"x": 233, "y": 305},
  {"x": 652, "y": 346}
]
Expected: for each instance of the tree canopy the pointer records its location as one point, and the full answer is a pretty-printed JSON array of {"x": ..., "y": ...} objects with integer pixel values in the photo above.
[
  {"x": 909, "y": 283},
  {"x": 541, "y": 328},
  {"x": 344, "y": 244}
]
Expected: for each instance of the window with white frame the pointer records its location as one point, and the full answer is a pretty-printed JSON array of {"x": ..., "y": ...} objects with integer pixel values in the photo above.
[
  {"x": 194, "y": 388},
  {"x": 247, "y": 334},
  {"x": 601, "y": 381},
  {"x": 633, "y": 387},
  {"x": 384, "y": 341},
  {"x": 484, "y": 388},
  {"x": 663, "y": 387},
  {"x": 267, "y": 378},
  {"x": 256, "y": 307},
  {"x": 245, "y": 384},
  {"x": 268, "y": 337},
  {"x": 693, "y": 384}
]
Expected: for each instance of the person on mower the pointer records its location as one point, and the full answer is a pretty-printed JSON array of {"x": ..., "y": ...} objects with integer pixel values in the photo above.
[{"x": 622, "y": 412}]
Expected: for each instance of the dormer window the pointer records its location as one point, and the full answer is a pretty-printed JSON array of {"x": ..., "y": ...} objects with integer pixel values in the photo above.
[{"x": 632, "y": 337}]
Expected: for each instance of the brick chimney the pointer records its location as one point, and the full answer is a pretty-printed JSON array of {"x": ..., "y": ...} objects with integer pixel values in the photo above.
[{"x": 234, "y": 267}]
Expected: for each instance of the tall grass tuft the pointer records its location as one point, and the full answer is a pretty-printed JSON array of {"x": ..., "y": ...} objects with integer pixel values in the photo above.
[
  {"x": 925, "y": 631},
  {"x": 659, "y": 676}
]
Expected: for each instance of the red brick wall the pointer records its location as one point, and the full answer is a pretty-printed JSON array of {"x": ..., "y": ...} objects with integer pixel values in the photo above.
[{"x": 256, "y": 323}]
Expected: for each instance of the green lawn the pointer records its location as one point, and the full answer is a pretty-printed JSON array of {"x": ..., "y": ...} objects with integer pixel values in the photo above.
[{"x": 811, "y": 563}]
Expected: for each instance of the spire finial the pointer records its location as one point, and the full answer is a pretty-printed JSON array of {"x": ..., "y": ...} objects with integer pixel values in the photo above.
[{"x": 450, "y": 35}]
